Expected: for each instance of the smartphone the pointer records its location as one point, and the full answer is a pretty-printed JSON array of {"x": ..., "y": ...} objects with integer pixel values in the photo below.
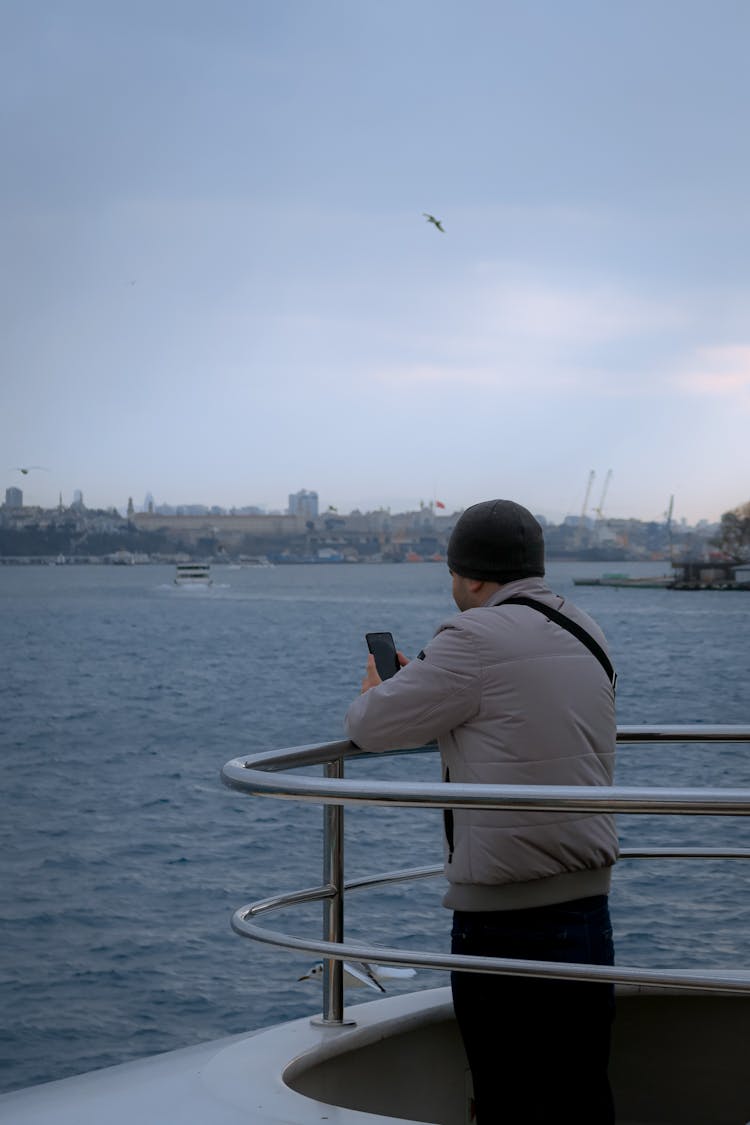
[{"x": 382, "y": 647}]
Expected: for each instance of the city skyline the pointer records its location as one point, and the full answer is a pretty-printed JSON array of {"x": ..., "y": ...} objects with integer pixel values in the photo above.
[
  {"x": 592, "y": 511},
  {"x": 219, "y": 279}
]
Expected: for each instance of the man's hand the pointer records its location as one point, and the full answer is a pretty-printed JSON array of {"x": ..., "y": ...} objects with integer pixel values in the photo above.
[{"x": 372, "y": 679}]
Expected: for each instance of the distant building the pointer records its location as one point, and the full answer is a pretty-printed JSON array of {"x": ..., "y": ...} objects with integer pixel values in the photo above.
[
  {"x": 229, "y": 530},
  {"x": 78, "y": 504},
  {"x": 304, "y": 504},
  {"x": 13, "y": 498}
]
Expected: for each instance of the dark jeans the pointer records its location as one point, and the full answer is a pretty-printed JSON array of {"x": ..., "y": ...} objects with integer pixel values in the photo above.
[{"x": 538, "y": 1049}]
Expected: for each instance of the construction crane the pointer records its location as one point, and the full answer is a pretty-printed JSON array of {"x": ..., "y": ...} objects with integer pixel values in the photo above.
[
  {"x": 668, "y": 516},
  {"x": 600, "y": 507},
  {"x": 584, "y": 509}
]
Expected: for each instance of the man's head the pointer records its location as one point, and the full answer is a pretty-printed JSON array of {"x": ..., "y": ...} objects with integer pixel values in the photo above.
[{"x": 496, "y": 542}]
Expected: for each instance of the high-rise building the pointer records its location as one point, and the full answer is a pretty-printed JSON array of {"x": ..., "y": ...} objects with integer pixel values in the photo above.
[
  {"x": 304, "y": 503},
  {"x": 13, "y": 498}
]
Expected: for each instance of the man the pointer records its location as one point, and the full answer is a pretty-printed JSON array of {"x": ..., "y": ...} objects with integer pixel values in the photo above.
[{"x": 514, "y": 697}]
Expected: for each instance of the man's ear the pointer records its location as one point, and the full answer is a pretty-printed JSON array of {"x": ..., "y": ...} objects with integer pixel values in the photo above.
[{"x": 481, "y": 589}]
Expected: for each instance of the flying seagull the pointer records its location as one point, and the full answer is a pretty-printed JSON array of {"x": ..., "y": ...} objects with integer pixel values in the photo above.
[
  {"x": 28, "y": 469},
  {"x": 432, "y": 219},
  {"x": 355, "y": 976}
]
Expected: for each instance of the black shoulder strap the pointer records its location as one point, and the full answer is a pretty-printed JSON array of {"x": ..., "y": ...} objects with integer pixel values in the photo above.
[{"x": 560, "y": 619}]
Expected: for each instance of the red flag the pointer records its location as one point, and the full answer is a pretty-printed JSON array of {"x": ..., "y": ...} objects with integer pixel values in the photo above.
[{"x": 439, "y": 504}]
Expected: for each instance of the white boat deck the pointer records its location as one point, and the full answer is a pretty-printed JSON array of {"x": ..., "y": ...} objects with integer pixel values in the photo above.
[{"x": 679, "y": 1058}]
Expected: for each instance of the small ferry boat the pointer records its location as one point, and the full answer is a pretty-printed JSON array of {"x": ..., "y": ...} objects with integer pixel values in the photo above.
[
  {"x": 680, "y": 1041},
  {"x": 193, "y": 574},
  {"x": 689, "y": 574},
  {"x": 664, "y": 582}
]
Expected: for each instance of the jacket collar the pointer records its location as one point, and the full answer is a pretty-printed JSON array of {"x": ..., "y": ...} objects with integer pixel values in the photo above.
[{"x": 530, "y": 587}]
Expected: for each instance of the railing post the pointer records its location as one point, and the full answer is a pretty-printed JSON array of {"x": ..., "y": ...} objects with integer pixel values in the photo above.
[{"x": 333, "y": 906}]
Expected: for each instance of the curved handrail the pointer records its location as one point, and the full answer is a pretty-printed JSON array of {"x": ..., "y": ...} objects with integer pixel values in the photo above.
[
  {"x": 264, "y": 774},
  {"x": 693, "y": 979},
  {"x": 695, "y": 732}
]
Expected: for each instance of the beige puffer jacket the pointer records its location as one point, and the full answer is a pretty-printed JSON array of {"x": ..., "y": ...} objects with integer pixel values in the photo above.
[{"x": 513, "y": 699}]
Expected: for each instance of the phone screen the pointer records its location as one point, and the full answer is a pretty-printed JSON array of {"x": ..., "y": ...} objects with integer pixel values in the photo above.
[{"x": 383, "y": 648}]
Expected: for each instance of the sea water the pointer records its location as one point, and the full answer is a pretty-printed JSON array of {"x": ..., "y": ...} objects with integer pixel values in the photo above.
[{"x": 122, "y": 855}]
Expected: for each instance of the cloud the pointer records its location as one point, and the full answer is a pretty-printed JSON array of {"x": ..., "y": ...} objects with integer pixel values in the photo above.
[
  {"x": 528, "y": 336},
  {"x": 514, "y": 335},
  {"x": 562, "y": 315},
  {"x": 719, "y": 372},
  {"x": 421, "y": 375}
]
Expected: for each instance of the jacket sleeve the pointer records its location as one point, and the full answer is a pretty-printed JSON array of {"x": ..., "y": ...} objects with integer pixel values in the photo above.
[{"x": 424, "y": 700}]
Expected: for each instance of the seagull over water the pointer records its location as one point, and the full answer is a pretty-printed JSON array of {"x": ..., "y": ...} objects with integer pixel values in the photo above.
[
  {"x": 434, "y": 221},
  {"x": 362, "y": 974}
]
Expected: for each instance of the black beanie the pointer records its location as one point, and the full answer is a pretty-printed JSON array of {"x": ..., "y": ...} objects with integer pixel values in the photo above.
[{"x": 496, "y": 541}]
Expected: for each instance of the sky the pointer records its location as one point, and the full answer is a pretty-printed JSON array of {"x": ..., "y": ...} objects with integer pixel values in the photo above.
[{"x": 218, "y": 286}]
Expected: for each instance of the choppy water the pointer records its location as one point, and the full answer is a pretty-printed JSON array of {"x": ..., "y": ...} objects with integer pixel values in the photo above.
[{"x": 123, "y": 856}]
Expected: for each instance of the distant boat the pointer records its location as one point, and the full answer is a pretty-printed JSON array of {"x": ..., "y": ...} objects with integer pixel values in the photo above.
[
  {"x": 254, "y": 560},
  {"x": 654, "y": 582},
  {"x": 193, "y": 574},
  {"x": 695, "y": 574}
]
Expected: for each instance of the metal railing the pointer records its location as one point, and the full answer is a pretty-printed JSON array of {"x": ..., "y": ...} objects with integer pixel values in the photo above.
[{"x": 265, "y": 775}]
